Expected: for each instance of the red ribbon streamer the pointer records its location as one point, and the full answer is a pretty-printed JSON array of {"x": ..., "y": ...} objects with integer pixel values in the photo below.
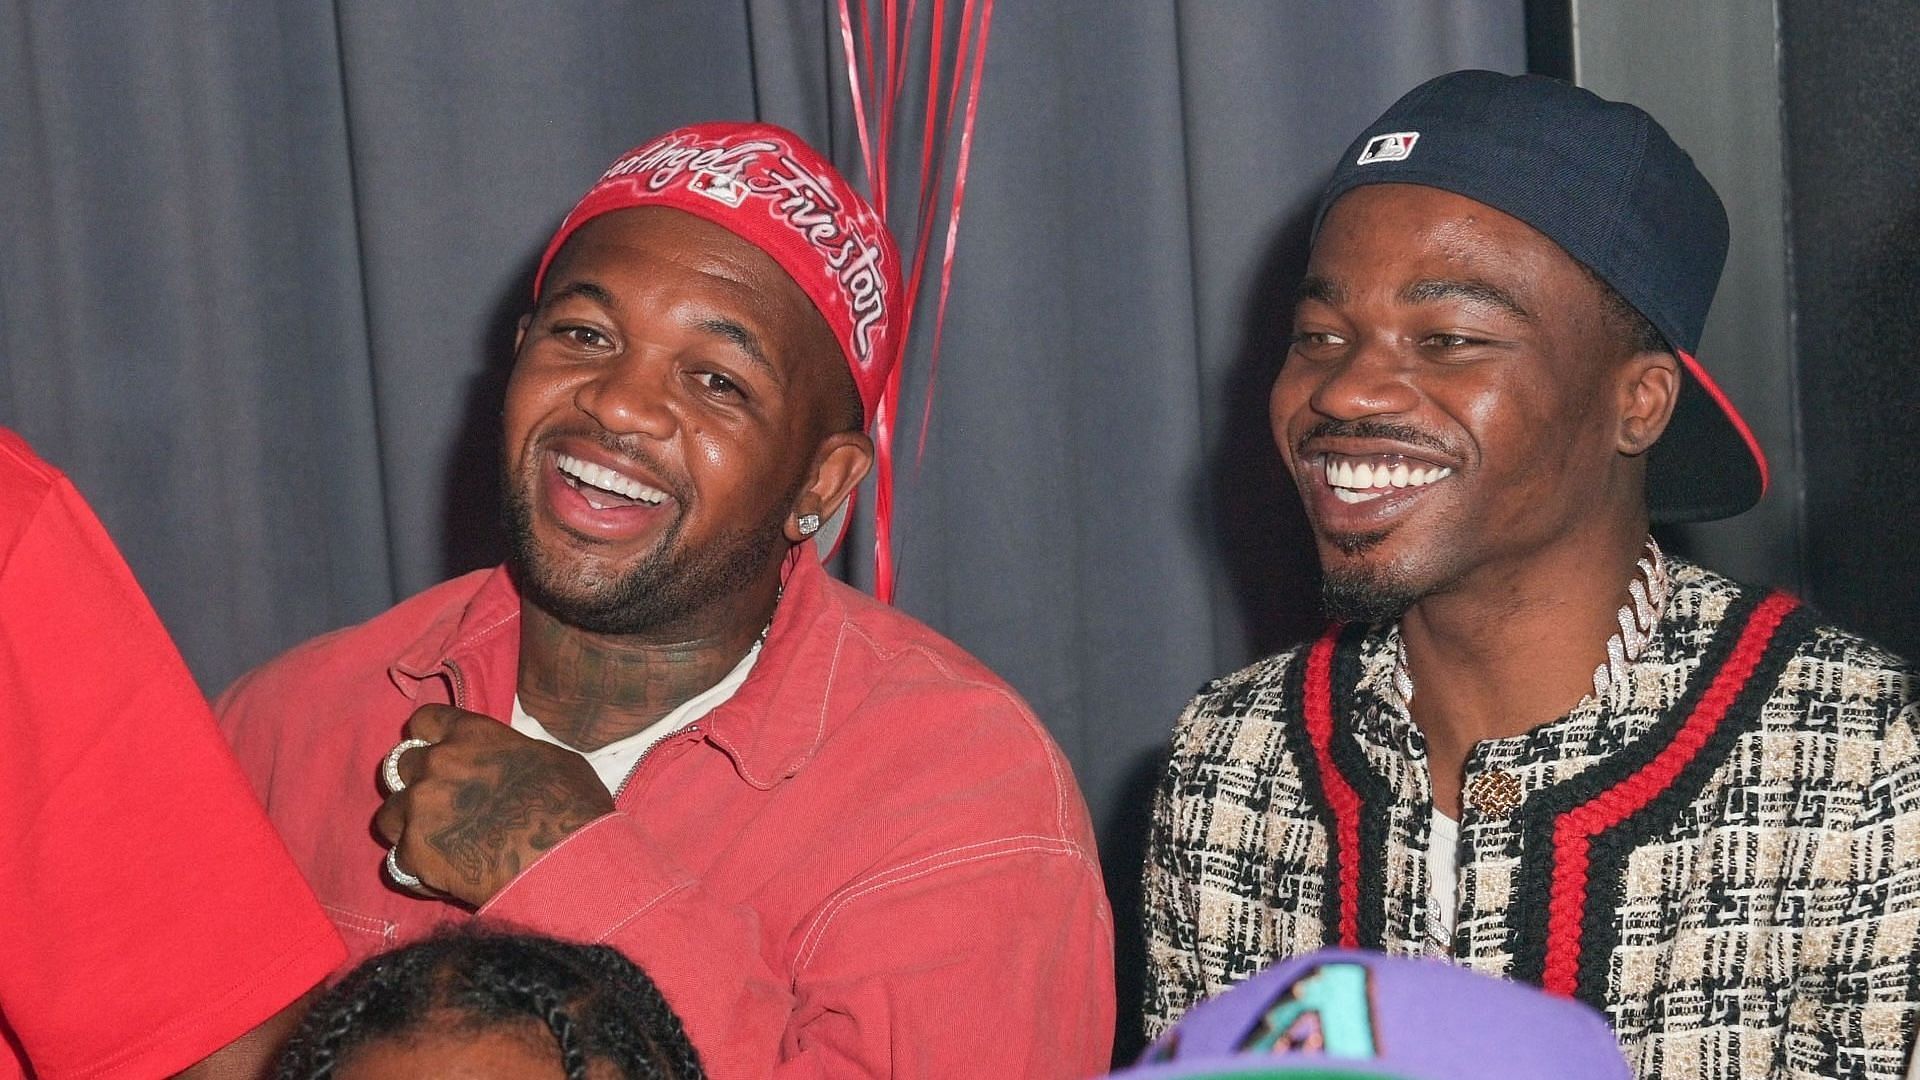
[{"x": 865, "y": 78}]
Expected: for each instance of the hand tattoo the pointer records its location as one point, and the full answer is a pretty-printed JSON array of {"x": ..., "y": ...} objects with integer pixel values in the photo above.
[{"x": 529, "y": 804}]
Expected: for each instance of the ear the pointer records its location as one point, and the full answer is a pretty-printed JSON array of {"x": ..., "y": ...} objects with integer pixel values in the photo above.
[
  {"x": 839, "y": 465},
  {"x": 1650, "y": 385},
  {"x": 520, "y": 333}
]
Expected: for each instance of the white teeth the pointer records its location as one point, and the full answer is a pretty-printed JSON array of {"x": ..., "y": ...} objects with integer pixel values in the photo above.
[
  {"x": 1344, "y": 475},
  {"x": 1347, "y": 496},
  {"x": 607, "y": 480}
]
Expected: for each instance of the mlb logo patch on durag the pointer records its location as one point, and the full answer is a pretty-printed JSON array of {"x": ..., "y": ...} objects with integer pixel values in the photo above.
[
  {"x": 1395, "y": 147},
  {"x": 721, "y": 187}
]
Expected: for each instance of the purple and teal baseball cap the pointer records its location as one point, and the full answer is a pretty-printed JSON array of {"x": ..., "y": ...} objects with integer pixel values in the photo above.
[{"x": 1342, "y": 1014}]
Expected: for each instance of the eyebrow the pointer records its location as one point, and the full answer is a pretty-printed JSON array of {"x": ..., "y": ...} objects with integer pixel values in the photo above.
[
  {"x": 1479, "y": 292},
  {"x": 590, "y": 290},
  {"x": 1315, "y": 287},
  {"x": 741, "y": 336}
]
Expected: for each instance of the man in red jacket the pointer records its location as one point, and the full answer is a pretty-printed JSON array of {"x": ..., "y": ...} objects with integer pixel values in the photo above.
[{"x": 839, "y": 844}]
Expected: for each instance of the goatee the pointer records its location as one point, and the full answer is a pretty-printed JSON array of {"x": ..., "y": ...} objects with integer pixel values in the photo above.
[
  {"x": 666, "y": 586},
  {"x": 1365, "y": 596}
]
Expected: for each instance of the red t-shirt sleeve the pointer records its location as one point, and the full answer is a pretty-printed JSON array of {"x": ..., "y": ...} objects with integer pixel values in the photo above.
[{"x": 148, "y": 913}]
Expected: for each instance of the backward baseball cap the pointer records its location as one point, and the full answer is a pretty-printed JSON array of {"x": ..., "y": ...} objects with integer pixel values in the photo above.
[{"x": 1604, "y": 181}]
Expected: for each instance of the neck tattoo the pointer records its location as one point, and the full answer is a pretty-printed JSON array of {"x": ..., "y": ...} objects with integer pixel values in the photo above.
[{"x": 1647, "y": 595}]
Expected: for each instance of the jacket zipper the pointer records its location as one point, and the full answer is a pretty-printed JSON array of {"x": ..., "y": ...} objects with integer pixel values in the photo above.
[
  {"x": 690, "y": 729},
  {"x": 644, "y": 755},
  {"x": 458, "y": 683}
]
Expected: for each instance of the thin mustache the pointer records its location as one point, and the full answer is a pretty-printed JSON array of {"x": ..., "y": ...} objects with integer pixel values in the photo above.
[{"x": 1369, "y": 429}]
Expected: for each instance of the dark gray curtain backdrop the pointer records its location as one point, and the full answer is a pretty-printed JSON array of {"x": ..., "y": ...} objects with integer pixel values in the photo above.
[
  {"x": 1852, "y": 117},
  {"x": 261, "y": 264}
]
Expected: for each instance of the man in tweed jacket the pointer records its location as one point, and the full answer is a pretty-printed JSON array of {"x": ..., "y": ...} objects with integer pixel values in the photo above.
[{"x": 1531, "y": 741}]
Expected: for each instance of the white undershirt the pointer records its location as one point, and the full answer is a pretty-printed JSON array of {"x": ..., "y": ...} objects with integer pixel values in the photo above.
[
  {"x": 615, "y": 760},
  {"x": 1443, "y": 881}
]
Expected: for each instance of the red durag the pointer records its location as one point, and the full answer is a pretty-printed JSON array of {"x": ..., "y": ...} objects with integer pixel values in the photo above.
[{"x": 766, "y": 186}]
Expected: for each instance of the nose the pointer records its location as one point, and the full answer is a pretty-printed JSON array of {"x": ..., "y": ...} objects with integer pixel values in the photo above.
[
  {"x": 1370, "y": 379},
  {"x": 631, "y": 396}
]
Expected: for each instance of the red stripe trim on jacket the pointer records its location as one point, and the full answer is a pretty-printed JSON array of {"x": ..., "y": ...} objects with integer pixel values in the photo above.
[
  {"x": 1340, "y": 794},
  {"x": 1574, "y": 830}
]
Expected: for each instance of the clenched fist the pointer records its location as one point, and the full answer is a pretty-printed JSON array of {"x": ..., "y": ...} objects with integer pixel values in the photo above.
[{"x": 483, "y": 802}]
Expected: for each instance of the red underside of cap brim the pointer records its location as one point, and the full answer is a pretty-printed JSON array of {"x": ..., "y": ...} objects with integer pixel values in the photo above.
[{"x": 1708, "y": 465}]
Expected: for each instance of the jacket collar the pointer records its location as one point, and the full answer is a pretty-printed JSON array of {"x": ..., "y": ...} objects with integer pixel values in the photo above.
[
  {"x": 770, "y": 728},
  {"x": 777, "y": 720},
  {"x": 468, "y": 646},
  {"x": 1597, "y": 727}
]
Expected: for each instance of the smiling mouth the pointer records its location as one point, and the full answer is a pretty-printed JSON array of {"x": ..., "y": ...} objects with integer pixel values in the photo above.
[
  {"x": 603, "y": 488},
  {"x": 1364, "y": 478}
]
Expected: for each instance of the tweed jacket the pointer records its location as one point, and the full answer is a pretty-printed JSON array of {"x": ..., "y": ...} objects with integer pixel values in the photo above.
[{"x": 1722, "y": 852}]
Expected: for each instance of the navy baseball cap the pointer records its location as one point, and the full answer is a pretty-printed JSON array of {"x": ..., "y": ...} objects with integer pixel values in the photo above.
[
  {"x": 1605, "y": 181},
  {"x": 1344, "y": 1014}
]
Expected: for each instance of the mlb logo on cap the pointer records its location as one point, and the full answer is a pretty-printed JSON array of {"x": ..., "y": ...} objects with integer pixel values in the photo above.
[
  {"x": 718, "y": 186},
  {"x": 1395, "y": 147}
]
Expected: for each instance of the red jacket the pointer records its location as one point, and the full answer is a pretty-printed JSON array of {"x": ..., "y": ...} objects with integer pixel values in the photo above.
[{"x": 871, "y": 861}]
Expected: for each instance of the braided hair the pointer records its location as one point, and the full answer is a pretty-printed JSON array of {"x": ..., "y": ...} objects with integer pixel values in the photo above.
[{"x": 596, "y": 1004}]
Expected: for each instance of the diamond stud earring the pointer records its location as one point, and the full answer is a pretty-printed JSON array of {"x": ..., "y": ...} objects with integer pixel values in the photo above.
[{"x": 809, "y": 524}]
